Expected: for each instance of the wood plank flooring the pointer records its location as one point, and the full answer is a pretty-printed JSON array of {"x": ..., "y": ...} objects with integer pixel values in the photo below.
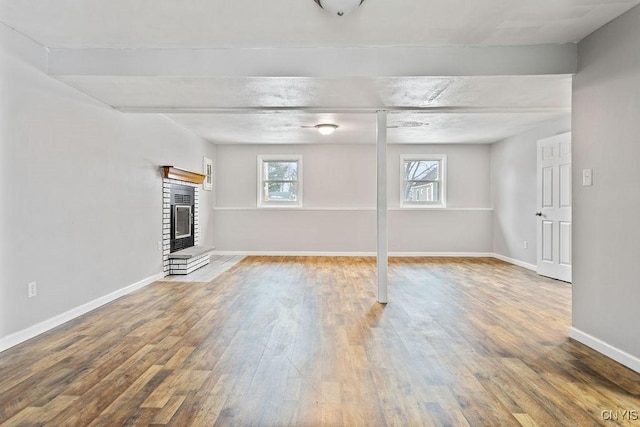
[{"x": 300, "y": 341}]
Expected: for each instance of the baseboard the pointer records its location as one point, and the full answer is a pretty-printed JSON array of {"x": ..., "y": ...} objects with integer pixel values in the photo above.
[
  {"x": 293, "y": 253},
  {"x": 354, "y": 254},
  {"x": 608, "y": 350},
  {"x": 441, "y": 254},
  {"x": 516, "y": 262},
  {"x": 32, "y": 331}
]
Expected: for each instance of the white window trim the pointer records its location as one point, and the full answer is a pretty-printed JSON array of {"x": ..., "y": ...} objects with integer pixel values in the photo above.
[
  {"x": 279, "y": 205},
  {"x": 442, "y": 158}
]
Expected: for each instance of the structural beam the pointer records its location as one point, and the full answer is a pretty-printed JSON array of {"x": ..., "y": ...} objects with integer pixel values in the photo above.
[
  {"x": 325, "y": 62},
  {"x": 382, "y": 245}
]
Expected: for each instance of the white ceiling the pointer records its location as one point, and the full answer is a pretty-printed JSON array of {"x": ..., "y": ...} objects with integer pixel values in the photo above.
[
  {"x": 360, "y": 128},
  {"x": 458, "y": 109},
  {"x": 293, "y": 23},
  {"x": 250, "y": 109}
]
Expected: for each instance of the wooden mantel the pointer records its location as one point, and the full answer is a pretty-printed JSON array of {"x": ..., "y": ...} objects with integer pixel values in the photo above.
[{"x": 183, "y": 175}]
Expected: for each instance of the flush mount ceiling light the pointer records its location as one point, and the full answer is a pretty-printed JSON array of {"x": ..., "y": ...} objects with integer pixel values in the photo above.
[
  {"x": 339, "y": 7},
  {"x": 326, "y": 128}
]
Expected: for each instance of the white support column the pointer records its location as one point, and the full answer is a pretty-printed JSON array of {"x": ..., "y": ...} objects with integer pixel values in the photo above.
[{"x": 382, "y": 249}]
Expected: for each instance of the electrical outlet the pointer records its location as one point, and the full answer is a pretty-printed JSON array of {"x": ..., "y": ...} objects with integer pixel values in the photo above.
[
  {"x": 32, "y": 289},
  {"x": 159, "y": 245},
  {"x": 526, "y": 245}
]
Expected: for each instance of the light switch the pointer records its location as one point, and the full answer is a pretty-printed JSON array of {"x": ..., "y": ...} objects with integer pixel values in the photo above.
[{"x": 587, "y": 177}]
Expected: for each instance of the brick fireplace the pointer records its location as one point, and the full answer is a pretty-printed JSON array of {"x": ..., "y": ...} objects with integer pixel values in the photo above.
[{"x": 181, "y": 253}]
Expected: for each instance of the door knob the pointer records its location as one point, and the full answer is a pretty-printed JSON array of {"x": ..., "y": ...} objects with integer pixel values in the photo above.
[{"x": 538, "y": 213}]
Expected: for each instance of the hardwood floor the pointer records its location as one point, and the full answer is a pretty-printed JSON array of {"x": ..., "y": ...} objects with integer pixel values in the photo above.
[{"x": 301, "y": 341}]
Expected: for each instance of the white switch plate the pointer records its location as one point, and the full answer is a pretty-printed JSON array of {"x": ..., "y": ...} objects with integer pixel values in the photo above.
[
  {"x": 32, "y": 290},
  {"x": 587, "y": 177}
]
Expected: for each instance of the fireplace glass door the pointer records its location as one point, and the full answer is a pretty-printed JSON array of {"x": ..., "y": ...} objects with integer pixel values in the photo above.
[{"x": 182, "y": 218}]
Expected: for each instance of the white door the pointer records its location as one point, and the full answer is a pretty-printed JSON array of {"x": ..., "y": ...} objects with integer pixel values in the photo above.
[{"x": 554, "y": 207}]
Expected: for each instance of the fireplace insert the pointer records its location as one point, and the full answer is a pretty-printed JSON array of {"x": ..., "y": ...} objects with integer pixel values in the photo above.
[{"x": 182, "y": 224}]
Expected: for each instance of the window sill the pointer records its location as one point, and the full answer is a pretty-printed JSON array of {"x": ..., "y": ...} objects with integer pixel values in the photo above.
[
  {"x": 420, "y": 206},
  {"x": 274, "y": 206}
]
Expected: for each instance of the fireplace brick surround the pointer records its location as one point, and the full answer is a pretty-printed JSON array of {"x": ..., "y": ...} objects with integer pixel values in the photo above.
[{"x": 180, "y": 265}]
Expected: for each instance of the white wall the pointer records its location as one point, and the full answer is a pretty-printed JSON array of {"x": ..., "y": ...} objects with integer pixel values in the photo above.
[
  {"x": 334, "y": 175},
  {"x": 606, "y": 137},
  {"x": 513, "y": 190},
  {"x": 339, "y": 202},
  {"x": 81, "y": 191},
  {"x": 466, "y": 224}
]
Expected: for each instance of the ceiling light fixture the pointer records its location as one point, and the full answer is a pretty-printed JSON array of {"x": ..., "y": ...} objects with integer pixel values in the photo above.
[
  {"x": 326, "y": 128},
  {"x": 339, "y": 7}
]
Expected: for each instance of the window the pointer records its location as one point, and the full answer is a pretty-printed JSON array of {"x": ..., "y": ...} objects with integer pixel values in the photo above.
[
  {"x": 279, "y": 181},
  {"x": 423, "y": 181}
]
